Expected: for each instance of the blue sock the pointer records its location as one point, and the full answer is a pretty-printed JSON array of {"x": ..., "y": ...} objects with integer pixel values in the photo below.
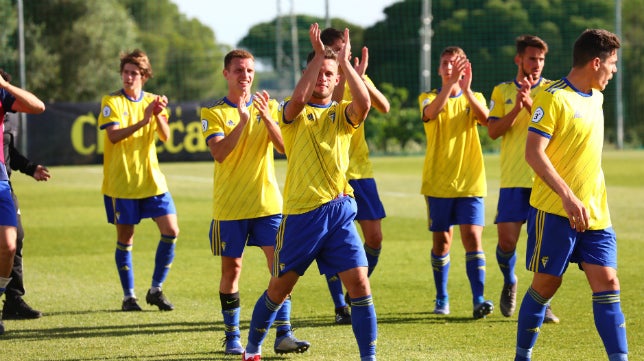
[
  {"x": 335, "y": 289},
  {"x": 440, "y": 266},
  {"x": 365, "y": 325},
  {"x": 163, "y": 259},
  {"x": 531, "y": 314},
  {"x": 283, "y": 318},
  {"x": 507, "y": 261},
  {"x": 230, "y": 309},
  {"x": 123, "y": 257},
  {"x": 610, "y": 323},
  {"x": 372, "y": 258},
  {"x": 264, "y": 314},
  {"x": 475, "y": 269}
]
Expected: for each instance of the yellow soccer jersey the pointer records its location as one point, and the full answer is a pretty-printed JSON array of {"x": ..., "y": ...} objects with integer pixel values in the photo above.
[
  {"x": 359, "y": 163},
  {"x": 130, "y": 167},
  {"x": 453, "y": 158},
  {"x": 515, "y": 171},
  {"x": 316, "y": 143},
  {"x": 244, "y": 184},
  {"x": 574, "y": 123}
]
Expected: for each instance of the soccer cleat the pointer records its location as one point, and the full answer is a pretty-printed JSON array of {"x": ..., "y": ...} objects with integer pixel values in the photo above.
[
  {"x": 130, "y": 304},
  {"x": 15, "y": 308},
  {"x": 508, "y": 302},
  {"x": 342, "y": 316},
  {"x": 233, "y": 345},
  {"x": 287, "y": 343},
  {"x": 441, "y": 307},
  {"x": 251, "y": 358},
  {"x": 483, "y": 309},
  {"x": 159, "y": 300},
  {"x": 550, "y": 317}
]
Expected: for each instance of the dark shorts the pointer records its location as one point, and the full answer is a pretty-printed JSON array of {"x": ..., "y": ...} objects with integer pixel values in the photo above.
[
  {"x": 132, "y": 211},
  {"x": 229, "y": 238},
  {"x": 552, "y": 244},
  {"x": 326, "y": 235},
  {"x": 7, "y": 207},
  {"x": 513, "y": 206},
  {"x": 369, "y": 205},
  {"x": 443, "y": 213}
]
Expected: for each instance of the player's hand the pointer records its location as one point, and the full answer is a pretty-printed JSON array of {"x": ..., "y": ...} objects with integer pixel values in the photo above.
[
  {"x": 577, "y": 213},
  {"x": 361, "y": 65},
  {"x": 465, "y": 69},
  {"x": 244, "y": 113},
  {"x": 160, "y": 103},
  {"x": 316, "y": 41},
  {"x": 260, "y": 100},
  {"x": 41, "y": 173}
]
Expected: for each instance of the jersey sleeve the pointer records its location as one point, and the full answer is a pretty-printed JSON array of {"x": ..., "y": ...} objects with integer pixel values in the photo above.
[
  {"x": 497, "y": 110},
  {"x": 544, "y": 114},
  {"x": 109, "y": 112}
]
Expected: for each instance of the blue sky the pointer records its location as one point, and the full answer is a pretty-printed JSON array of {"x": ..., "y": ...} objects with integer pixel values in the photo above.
[{"x": 230, "y": 20}]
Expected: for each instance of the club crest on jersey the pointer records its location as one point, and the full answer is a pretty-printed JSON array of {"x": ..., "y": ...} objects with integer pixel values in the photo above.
[
  {"x": 309, "y": 117},
  {"x": 259, "y": 118},
  {"x": 537, "y": 115},
  {"x": 332, "y": 116}
]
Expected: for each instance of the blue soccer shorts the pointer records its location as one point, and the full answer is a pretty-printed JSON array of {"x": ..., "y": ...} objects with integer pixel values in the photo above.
[
  {"x": 326, "y": 234},
  {"x": 552, "y": 244},
  {"x": 7, "y": 207},
  {"x": 513, "y": 206},
  {"x": 366, "y": 195},
  {"x": 229, "y": 238},
  {"x": 443, "y": 213},
  {"x": 132, "y": 211}
]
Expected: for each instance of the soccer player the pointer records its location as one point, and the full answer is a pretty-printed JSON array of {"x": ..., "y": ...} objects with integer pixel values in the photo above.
[
  {"x": 12, "y": 99},
  {"x": 319, "y": 208},
  {"x": 510, "y": 108},
  {"x": 569, "y": 221},
  {"x": 454, "y": 176},
  {"x": 133, "y": 185},
  {"x": 241, "y": 131},
  {"x": 15, "y": 306},
  {"x": 360, "y": 173}
]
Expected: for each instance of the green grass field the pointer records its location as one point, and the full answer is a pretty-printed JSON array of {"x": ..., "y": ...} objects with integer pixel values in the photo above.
[{"x": 70, "y": 276}]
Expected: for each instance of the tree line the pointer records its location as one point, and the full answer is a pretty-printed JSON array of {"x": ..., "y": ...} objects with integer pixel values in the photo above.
[{"x": 72, "y": 49}]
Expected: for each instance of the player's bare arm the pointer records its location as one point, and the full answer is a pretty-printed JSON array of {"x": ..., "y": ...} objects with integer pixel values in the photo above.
[{"x": 536, "y": 157}]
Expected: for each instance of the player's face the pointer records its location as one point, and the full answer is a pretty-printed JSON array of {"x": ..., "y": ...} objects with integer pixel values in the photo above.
[
  {"x": 327, "y": 80},
  {"x": 446, "y": 66},
  {"x": 240, "y": 74},
  {"x": 606, "y": 70},
  {"x": 132, "y": 78},
  {"x": 531, "y": 62}
]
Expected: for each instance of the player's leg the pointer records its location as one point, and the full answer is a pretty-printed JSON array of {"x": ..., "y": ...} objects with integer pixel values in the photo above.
[
  {"x": 169, "y": 229},
  {"x": 363, "y": 320},
  {"x": 125, "y": 265},
  {"x": 470, "y": 215},
  {"x": 372, "y": 232},
  {"x": 506, "y": 257},
  {"x": 549, "y": 247},
  {"x": 439, "y": 221},
  {"x": 342, "y": 313},
  {"x": 266, "y": 309},
  {"x": 599, "y": 255},
  {"x": 14, "y": 306}
]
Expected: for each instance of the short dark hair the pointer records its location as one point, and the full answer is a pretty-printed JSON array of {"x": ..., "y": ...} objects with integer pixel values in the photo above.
[
  {"x": 525, "y": 41},
  {"x": 330, "y": 35},
  {"x": 594, "y": 43},
  {"x": 6, "y": 76}
]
